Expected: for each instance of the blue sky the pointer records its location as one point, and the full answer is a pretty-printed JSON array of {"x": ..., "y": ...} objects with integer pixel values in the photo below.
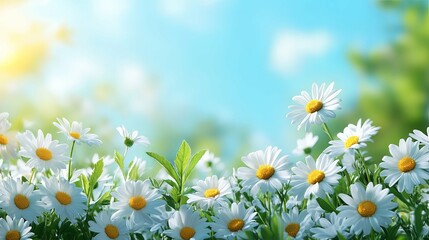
[{"x": 237, "y": 62}]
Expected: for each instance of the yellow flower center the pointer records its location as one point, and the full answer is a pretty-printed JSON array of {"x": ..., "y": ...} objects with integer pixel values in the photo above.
[
  {"x": 313, "y": 106},
  {"x": 265, "y": 172},
  {"x": 366, "y": 208},
  {"x": 111, "y": 231},
  {"x": 406, "y": 164},
  {"x": 292, "y": 229},
  {"x": 351, "y": 141},
  {"x": 3, "y": 139},
  {"x": 235, "y": 225},
  {"x": 315, "y": 176},
  {"x": 21, "y": 201},
  {"x": 63, "y": 198},
  {"x": 211, "y": 193},
  {"x": 44, "y": 154},
  {"x": 137, "y": 202},
  {"x": 187, "y": 233},
  {"x": 74, "y": 135},
  {"x": 13, "y": 235}
]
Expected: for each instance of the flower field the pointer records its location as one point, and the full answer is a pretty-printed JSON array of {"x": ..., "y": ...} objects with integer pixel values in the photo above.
[{"x": 340, "y": 194}]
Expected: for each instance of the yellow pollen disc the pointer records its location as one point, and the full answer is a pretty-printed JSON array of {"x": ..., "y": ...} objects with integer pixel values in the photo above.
[
  {"x": 21, "y": 201},
  {"x": 187, "y": 233},
  {"x": 351, "y": 141},
  {"x": 63, "y": 198},
  {"x": 13, "y": 235},
  {"x": 265, "y": 172},
  {"x": 74, "y": 135},
  {"x": 111, "y": 231},
  {"x": 3, "y": 139},
  {"x": 44, "y": 154},
  {"x": 313, "y": 106},
  {"x": 235, "y": 225},
  {"x": 211, "y": 193},
  {"x": 137, "y": 202},
  {"x": 292, "y": 229},
  {"x": 406, "y": 164},
  {"x": 366, "y": 208},
  {"x": 315, "y": 176}
]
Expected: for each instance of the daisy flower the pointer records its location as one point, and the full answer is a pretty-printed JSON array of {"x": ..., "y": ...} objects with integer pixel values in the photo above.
[
  {"x": 420, "y": 136},
  {"x": 317, "y": 108},
  {"x": 43, "y": 153},
  {"x": 349, "y": 161},
  {"x": 108, "y": 228},
  {"x": 20, "y": 200},
  {"x": 137, "y": 200},
  {"x": 7, "y": 147},
  {"x": 131, "y": 138},
  {"x": 353, "y": 137},
  {"x": 408, "y": 166},
  {"x": 305, "y": 145},
  {"x": 367, "y": 209},
  {"x": 187, "y": 224},
  {"x": 296, "y": 223},
  {"x": 209, "y": 163},
  {"x": 265, "y": 171},
  {"x": 68, "y": 201},
  {"x": 231, "y": 223},
  {"x": 75, "y": 132},
  {"x": 11, "y": 229},
  {"x": 329, "y": 227},
  {"x": 210, "y": 192},
  {"x": 316, "y": 177}
]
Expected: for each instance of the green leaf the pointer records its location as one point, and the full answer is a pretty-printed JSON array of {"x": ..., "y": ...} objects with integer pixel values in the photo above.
[
  {"x": 194, "y": 160},
  {"x": 101, "y": 199},
  {"x": 166, "y": 164},
  {"x": 182, "y": 158},
  {"x": 418, "y": 221},
  {"x": 96, "y": 173},
  {"x": 133, "y": 172},
  {"x": 325, "y": 205},
  {"x": 85, "y": 184},
  {"x": 120, "y": 161},
  {"x": 171, "y": 183},
  {"x": 340, "y": 236},
  {"x": 399, "y": 195}
]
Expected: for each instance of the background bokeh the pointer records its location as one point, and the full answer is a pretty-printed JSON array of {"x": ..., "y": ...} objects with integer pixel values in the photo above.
[{"x": 217, "y": 73}]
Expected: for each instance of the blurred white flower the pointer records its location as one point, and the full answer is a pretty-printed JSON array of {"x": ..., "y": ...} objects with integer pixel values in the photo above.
[
  {"x": 131, "y": 138},
  {"x": 75, "y": 132},
  {"x": 305, "y": 145},
  {"x": 209, "y": 163}
]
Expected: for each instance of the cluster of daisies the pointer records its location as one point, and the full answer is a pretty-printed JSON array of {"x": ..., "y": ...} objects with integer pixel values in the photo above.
[{"x": 339, "y": 194}]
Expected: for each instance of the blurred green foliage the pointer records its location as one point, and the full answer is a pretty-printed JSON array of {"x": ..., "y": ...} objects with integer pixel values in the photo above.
[{"x": 395, "y": 82}]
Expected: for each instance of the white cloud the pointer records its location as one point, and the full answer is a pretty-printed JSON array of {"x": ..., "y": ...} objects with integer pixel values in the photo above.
[
  {"x": 292, "y": 48},
  {"x": 194, "y": 14}
]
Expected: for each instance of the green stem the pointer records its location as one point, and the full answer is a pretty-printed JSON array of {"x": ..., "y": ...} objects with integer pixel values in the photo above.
[
  {"x": 70, "y": 160},
  {"x": 33, "y": 172},
  {"x": 326, "y": 130},
  {"x": 362, "y": 159}
]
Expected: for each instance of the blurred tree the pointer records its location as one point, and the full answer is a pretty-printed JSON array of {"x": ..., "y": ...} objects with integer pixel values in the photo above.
[{"x": 395, "y": 87}]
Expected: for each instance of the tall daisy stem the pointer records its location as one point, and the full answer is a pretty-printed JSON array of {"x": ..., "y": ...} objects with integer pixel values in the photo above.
[
  {"x": 326, "y": 130},
  {"x": 70, "y": 160},
  {"x": 362, "y": 159}
]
